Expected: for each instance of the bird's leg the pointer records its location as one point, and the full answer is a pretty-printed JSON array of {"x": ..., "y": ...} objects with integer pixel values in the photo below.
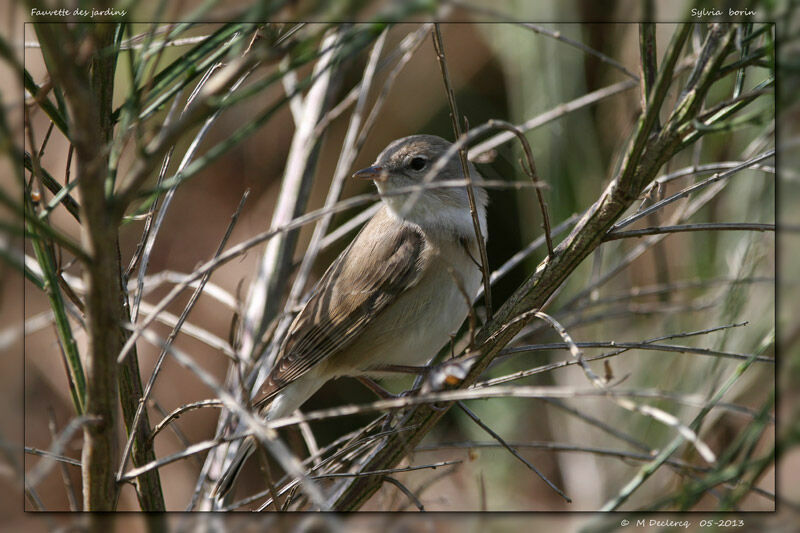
[
  {"x": 382, "y": 393},
  {"x": 400, "y": 369},
  {"x": 379, "y": 391}
]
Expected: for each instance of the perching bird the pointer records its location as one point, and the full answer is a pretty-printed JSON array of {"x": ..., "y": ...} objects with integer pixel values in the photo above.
[{"x": 392, "y": 297}]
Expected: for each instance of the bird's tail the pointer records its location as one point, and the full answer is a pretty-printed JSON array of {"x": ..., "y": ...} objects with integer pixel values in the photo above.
[
  {"x": 276, "y": 403},
  {"x": 226, "y": 481}
]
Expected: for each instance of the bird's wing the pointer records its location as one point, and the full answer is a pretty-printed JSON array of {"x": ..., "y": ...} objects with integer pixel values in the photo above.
[{"x": 366, "y": 278}]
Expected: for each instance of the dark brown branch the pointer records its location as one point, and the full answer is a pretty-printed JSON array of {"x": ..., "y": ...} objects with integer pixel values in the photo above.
[
  {"x": 531, "y": 172},
  {"x": 462, "y": 154},
  {"x": 405, "y": 490}
]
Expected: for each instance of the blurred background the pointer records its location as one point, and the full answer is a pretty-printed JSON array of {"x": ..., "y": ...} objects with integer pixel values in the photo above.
[{"x": 687, "y": 282}]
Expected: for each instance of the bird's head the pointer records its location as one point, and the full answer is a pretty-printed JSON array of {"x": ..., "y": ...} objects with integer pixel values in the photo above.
[{"x": 407, "y": 162}]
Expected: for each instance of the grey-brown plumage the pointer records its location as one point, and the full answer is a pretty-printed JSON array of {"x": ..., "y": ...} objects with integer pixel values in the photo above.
[
  {"x": 393, "y": 296},
  {"x": 376, "y": 272}
]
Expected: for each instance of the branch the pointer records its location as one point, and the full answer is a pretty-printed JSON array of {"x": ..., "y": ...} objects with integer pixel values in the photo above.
[
  {"x": 648, "y": 150},
  {"x": 511, "y": 450},
  {"x": 265, "y": 290},
  {"x": 710, "y": 226},
  {"x": 89, "y": 91},
  {"x": 462, "y": 154}
]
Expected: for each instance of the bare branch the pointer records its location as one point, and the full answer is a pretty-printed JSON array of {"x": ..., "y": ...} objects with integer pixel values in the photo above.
[
  {"x": 513, "y": 452},
  {"x": 174, "y": 415},
  {"x": 689, "y": 190},
  {"x": 133, "y": 426},
  {"x": 557, "y": 112},
  {"x": 653, "y": 412},
  {"x": 405, "y": 490},
  {"x": 707, "y": 226},
  {"x": 462, "y": 154},
  {"x": 265, "y": 434},
  {"x": 43, "y": 467}
]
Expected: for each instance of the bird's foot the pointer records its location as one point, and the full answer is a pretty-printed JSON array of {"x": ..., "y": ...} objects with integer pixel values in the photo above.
[{"x": 379, "y": 391}]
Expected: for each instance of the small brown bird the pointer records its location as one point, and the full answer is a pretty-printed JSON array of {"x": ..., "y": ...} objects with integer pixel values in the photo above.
[{"x": 392, "y": 297}]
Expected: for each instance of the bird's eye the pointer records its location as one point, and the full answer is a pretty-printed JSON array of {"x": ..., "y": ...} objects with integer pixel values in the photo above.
[{"x": 418, "y": 163}]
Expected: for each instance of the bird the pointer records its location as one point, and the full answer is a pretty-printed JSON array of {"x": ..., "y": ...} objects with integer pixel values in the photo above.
[{"x": 394, "y": 296}]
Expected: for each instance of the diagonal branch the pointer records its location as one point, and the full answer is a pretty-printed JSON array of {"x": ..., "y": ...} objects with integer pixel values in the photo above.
[
  {"x": 462, "y": 154},
  {"x": 648, "y": 150}
]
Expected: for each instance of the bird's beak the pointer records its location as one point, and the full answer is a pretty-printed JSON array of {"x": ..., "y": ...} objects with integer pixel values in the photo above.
[{"x": 372, "y": 173}]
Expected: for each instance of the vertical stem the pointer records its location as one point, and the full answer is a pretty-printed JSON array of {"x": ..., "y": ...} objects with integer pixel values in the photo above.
[
  {"x": 745, "y": 31},
  {"x": 462, "y": 153},
  {"x": 649, "y": 62},
  {"x": 148, "y": 486},
  {"x": 89, "y": 88},
  {"x": 104, "y": 304}
]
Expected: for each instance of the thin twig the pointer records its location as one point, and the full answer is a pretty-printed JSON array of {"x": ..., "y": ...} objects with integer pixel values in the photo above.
[
  {"x": 706, "y": 226},
  {"x": 134, "y": 425},
  {"x": 310, "y": 440},
  {"x": 653, "y": 412},
  {"x": 42, "y": 468},
  {"x": 668, "y": 288},
  {"x": 65, "y": 477},
  {"x": 561, "y": 447},
  {"x": 265, "y": 434},
  {"x": 524, "y": 373},
  {"x": 406, "y": 47},
  {"x": 622, "y": 346},
  {"x": 405, "y": 490},
  {"x": 349, "y": 226},
  {"x": 46, "y": 453},
  {"x": 465, "y": 394},
  {"x": 513, "y": 452},
  {"x": 187, "y": 328},
  {"x": 433, "y": 479},
  {"x": 549, "y": 33},
  {"x": 580, "y": 46},
  {"x": 557, "y": 112},
  {"x": 700, "y": 169},
  {"x": 462, "y": 154},
  {"x": 188, "y": 451},
  {"x": 180, "y": 435},
  {"x": 531, "y": 172},
  {"x": 176, "y": 413},
  {"x": 386, "y": 471},
  {"x": 689, "y": 190}
]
